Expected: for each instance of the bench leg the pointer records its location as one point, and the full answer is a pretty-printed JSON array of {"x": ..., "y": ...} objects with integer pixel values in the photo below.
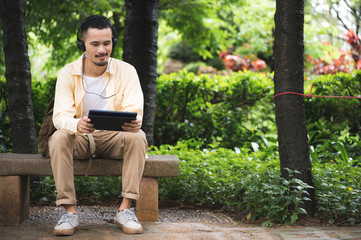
[
  {"x": 14, "y": 199},
  {"x": 147, "y": 204}
]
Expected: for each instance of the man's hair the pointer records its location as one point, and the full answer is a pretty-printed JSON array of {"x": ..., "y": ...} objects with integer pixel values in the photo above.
[{"x": 96, "y": 21}]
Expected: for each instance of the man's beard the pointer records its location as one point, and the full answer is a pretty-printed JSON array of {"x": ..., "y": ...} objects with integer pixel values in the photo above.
[{"x": 101, "y": 64}]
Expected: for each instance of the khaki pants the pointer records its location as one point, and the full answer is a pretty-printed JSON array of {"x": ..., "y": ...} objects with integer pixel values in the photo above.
[{"x": 63, "y": 147}]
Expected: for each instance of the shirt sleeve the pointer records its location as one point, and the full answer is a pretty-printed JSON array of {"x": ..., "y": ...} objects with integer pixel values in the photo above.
[
  {"x": 64, "y": 104},
  {"x": 133, "y": 100}
]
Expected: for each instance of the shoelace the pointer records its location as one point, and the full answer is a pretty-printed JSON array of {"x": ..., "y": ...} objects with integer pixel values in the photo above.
[
  {"x": 66, "y": 218},
  {"x": 129, "y": 215}
]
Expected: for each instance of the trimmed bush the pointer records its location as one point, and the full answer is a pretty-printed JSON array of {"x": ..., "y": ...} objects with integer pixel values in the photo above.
[{"x": 234, "y": 110}]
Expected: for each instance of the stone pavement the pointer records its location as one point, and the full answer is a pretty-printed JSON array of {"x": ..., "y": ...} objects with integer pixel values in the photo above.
[
  {"x": 185, "y": 231},
  {"x": 172, "y": 225}
]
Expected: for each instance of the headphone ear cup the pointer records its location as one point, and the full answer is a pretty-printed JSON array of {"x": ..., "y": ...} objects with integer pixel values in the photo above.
[
  {"x": 114, "y": 41},
  {"x": 81, "y": 45}
]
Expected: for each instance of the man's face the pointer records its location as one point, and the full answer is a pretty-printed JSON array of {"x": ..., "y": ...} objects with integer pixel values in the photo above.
[{"x": 98, "y": 45}]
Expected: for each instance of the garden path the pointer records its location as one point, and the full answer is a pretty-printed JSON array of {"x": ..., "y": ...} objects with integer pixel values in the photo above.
[{"x": 174, "y": 224}]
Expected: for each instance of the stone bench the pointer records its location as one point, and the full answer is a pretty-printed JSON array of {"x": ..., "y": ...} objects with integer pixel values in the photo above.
[{"x": 15, "y": 170}]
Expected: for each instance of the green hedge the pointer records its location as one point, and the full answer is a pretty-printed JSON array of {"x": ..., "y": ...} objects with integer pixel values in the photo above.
[
  {"x": 336, "y": 111},
  {"x": 238, "y": 111},
  {"x": 335, "y": 119},
  {"x": 234, "y": 110}
]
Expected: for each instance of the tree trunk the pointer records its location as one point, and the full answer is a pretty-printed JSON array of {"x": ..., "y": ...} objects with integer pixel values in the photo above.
[
  {"x": 18, "y": 77},
  {"x": 140, "y": 50},
  {"x": 290, "y": 109}
]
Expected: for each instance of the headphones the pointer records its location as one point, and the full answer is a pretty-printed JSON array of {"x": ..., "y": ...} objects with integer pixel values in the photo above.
[{"x": 81, "y": 44}]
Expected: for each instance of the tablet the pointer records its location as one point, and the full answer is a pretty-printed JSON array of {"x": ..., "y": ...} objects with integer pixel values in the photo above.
[{"x": 110, "y": 120}]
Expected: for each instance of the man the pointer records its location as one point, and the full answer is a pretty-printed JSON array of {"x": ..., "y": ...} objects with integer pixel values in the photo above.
[{"x": 96, "y": 81}]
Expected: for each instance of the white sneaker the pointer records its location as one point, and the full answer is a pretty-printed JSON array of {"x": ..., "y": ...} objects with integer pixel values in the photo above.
[
  {"x": 127, "y": 220},
  {"x": 66, "y": 225}
]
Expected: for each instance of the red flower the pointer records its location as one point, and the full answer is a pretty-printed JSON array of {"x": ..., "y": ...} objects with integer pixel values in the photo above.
[{"x": 351, "y": 37}]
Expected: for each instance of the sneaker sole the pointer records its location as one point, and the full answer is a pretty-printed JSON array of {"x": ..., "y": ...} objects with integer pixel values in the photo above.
[
  {"x": 130, "y": 230},
  {"x": 64, "y": 232}
]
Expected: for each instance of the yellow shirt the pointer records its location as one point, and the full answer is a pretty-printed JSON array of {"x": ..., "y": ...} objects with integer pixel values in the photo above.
[{"x": 69, "y": 92}]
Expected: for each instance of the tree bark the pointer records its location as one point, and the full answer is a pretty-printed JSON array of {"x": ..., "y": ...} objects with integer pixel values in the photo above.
[
  {"x": 290, "y": 109},
  {"x": 18, "y": 77},
  {"x": 140, "y": 50}
]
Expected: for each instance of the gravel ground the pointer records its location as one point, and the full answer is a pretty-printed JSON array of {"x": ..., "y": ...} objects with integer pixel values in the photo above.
[{"x": 49, "y": 215}]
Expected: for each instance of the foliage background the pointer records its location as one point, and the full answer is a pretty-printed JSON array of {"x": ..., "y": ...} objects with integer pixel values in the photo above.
[
  {"x": 223, "y": 170},
  {"x": 221, "y": 126}
]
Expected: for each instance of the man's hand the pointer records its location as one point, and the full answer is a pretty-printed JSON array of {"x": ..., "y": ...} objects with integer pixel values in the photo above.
[
  {"x": 84, "y": 125},
  {"x": 132, "y": 126}
]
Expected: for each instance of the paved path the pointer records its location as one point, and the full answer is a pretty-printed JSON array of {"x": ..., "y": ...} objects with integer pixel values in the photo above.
[
  {"x": 173, "y": 225},
  {"x": 185, "y": 231}
]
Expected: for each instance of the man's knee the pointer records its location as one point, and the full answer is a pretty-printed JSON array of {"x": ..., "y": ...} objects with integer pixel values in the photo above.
[
  {"x": 137, "y": 139},
  {"x": 60, "y": 138}
]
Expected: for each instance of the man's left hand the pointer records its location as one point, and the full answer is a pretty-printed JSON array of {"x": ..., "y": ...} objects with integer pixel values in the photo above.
[{"x": 132, "y": 126}]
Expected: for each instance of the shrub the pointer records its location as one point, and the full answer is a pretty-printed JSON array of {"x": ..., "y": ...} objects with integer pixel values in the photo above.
[
  {"x": 241, "y": 63},
  {"x": 194, "y": 66},
  {"x": 277, "y": 199},
  {"x": 336, "y": 110},
  {"x": 94, "y": 189},
  {"x": 334, "y": 118},
  {"x": 216, "y": 62},
  {"x": 320, "y": 66},
  {"x": 234, "y": 110},
  {"x": 240, "y": 179},
  {"x": 42, "y": 92},
  {"x": 184, "y": 52},
  {"x": 338, "y": 188},
  {"x": 212, "y": 176},
  {"x": 42, "y": 189},
  {"x": 251, "y": 182}
]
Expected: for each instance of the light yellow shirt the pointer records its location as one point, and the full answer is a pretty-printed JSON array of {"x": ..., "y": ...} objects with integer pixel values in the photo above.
[{"x": 69, "y": 92}]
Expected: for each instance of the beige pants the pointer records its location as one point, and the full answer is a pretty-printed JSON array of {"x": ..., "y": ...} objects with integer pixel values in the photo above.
[{"x": 63, "y": 147}]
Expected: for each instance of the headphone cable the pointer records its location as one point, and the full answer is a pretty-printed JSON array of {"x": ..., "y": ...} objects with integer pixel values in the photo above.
[{"x": 101, "y": 94}]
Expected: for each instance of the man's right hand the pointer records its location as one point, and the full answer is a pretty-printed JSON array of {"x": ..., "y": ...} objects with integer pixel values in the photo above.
[{"x": 84, "y": 125}]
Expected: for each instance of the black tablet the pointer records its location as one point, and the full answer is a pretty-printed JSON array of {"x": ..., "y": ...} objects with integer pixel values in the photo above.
[{"x": 110, "y": 120}]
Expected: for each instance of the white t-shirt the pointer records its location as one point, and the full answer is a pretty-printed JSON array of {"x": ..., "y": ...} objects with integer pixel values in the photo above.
[{"x": 92, "y": 100}]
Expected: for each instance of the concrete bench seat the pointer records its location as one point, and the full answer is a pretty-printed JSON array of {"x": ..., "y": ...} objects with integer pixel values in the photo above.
[{"x": 15, "y": 170}]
